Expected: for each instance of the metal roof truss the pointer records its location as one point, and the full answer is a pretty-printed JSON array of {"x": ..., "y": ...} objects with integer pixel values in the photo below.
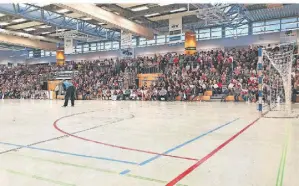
[{"x": 35, "y": 13}]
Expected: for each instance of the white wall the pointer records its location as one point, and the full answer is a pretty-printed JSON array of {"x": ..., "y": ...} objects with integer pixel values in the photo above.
[
  {"x": 240, "y": 41},
  {"x": 94, "y": 55},
  {"x": 243, "y": 41},
  {"x": 160, "y": 49},
  {"x": 5, "y": 57},
  {"x": 77, "y": 57}
]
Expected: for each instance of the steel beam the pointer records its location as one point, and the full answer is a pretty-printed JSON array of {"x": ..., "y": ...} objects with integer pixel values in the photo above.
[
  {"x": 11, "y": 47},
  {"x": 6, "y": 18},
  {"x": 99, "y": 14},
  {"x": 33, "y": 37},
  {"x": 25, "y": 42},
  {"x": 35, "y": 13}
]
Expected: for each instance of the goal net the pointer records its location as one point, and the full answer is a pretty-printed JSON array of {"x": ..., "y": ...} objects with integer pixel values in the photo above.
[{"x": 277, "y": 81}]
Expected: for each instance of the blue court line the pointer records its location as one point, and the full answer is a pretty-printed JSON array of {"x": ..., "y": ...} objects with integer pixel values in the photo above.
[
  {"x": 125, "y": 172},
  {"x": 179, "y": 146},
  {"x": 186, "y": 143},
  {"x": 72, "y": 154}
]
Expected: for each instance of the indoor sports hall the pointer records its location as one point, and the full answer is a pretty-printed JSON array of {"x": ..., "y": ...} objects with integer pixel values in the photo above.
[{"x": 163, "y": 94}]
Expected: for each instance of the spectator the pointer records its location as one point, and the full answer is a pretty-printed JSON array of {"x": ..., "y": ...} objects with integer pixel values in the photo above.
[
  {"x": 237, "y": 92},
  {"x": 162, "y": 96},
  {"x": 185, "y": 75},
  {"x": 57, "y": 90}
]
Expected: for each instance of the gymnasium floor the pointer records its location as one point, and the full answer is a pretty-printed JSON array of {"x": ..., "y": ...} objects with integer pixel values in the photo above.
[{"x": 106, "y": 143}]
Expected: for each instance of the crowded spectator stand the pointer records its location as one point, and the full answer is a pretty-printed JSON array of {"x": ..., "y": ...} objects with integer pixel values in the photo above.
[{"x": 217, "y": 74}]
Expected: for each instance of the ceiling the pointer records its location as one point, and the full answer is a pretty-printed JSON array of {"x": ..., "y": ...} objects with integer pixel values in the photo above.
[{"x": 153, "y": 16}]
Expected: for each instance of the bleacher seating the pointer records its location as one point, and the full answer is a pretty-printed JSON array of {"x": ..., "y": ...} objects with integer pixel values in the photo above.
[
  {"x": 205, "y": 98},
  {"x": 208, "y": 93},
  {"x": 232, "y": 98},
  {"x": 92, "y": 77}
]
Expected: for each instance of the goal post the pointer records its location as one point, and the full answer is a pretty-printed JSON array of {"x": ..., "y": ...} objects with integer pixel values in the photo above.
[
  {"x": 260, "y": 80},
  {"x": 275, "y": 80}
]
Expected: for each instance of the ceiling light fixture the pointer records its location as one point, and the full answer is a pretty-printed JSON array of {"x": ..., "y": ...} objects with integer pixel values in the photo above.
[
  {"x": 179, "y": 10},
  {"x": 86, "y": 18},
  {"x": 62, "y": 11},
  {"x": 116, "y": 13},
  {"x": 25, "y": 35},
  {"x": 106, "y": 8},
  {"x": 101, "y": 23},
  {"x": 43, "y": 33},
  {"x": 138, "y": 21},
  {"x": 139, "y": 8},
  {"x": 60, "y": 30},
  {"x": 45, "y": 26},
  {"x": 164, "y": 4},
  {"x": 41, "y": 4},
  {"x": 151, "y": 15},
  {"x": 4, "y": 23},
  {"x": 19, "y": 20},
  {"x": 29, "y": 29}
]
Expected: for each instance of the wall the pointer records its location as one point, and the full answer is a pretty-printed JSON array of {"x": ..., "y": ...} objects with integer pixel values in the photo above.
[
  {"x": 5, "y": 57},
  {"x": 243, "y": 41},
  {"x": 77, "y": 57}
]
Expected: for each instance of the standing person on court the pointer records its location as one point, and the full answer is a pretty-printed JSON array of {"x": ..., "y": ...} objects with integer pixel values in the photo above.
[
  {"x": 70, "y": 93},
  {"x": 57, "y": 90}
]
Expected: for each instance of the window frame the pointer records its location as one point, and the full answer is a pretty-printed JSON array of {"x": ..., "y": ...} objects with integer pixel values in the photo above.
[
  {"x": 115, "y": 43},
  {"x": 107, "y": 44},
  {"x": 205, "y": 31},
  {"x": 142, "y": 42},
  {"x": 216, "y": 30},
  {"x": 160, "y": 38},
  {"x": 86, "y": 48}
]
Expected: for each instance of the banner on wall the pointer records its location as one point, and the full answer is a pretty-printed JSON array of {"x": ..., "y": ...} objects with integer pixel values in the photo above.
[
  {"x": 127, "y": 53},
  {"x": 190, "y": 42},
  {"x": 175, "y": 30},
  {"x": 289, "y": 36},
  {"x": 60, "y": 57},
  {"x": 68, "y": 45},
  {"x": 36, "y": 53},
  {"x": 147, "y": 79},
  {"x": 126, "y": 40}
]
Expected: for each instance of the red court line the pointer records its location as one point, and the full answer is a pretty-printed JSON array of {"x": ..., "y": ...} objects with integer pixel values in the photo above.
[
  {"x": 193, "y": 167},
  {"x": 55, "y": 124}
]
